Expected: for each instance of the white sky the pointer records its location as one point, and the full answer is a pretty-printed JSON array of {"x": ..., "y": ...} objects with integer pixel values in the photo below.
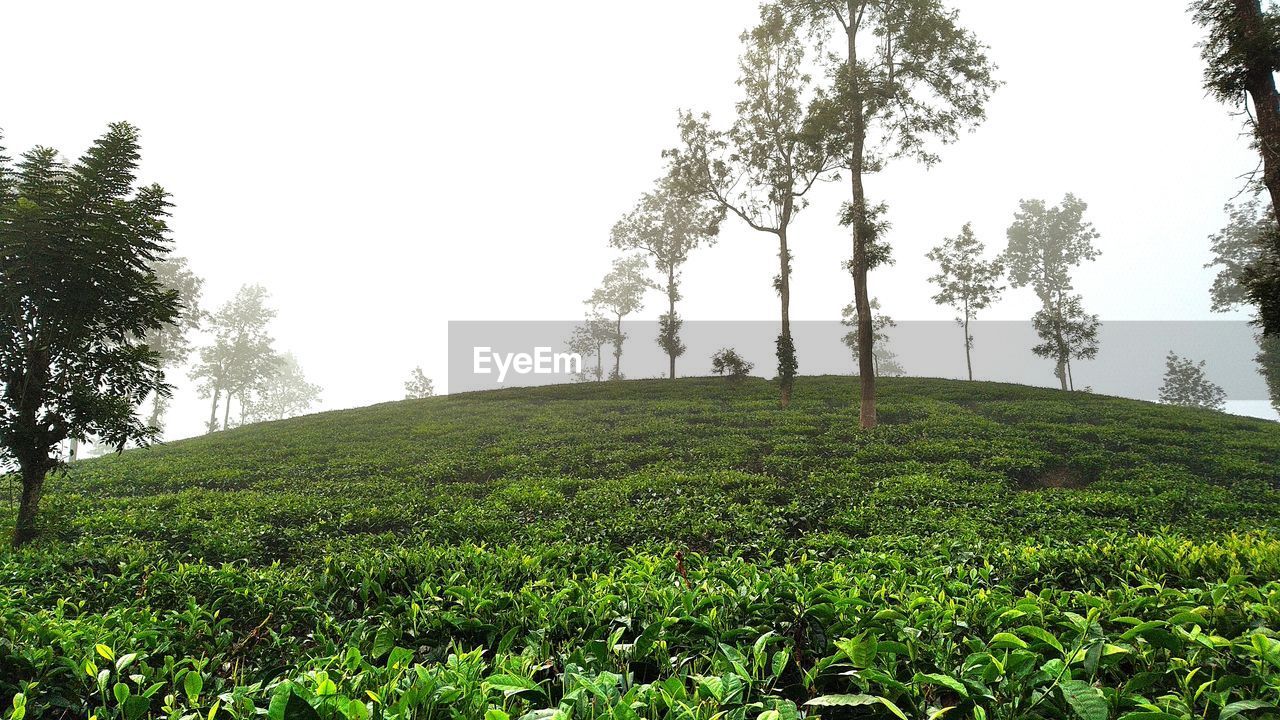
[{"x": 384, "y": 168}]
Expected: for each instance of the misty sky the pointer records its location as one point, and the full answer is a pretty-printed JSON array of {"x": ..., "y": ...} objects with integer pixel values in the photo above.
[{"x": 383, "y": 168}]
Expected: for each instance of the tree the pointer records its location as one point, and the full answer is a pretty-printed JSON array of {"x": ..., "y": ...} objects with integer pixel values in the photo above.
[
  {"x": 965, "y": 281},
  {"x": 171, "y": 342},
  {"x": 764, "y": 166},
  {"x": 1269, "y": 366},
  {"x": 668, "y": 223},
  {"x": 728, "y": 361},
  {"x": 909, "y": 74},
  {"x": 885, "y": 361},
  {"x": 241, "y": 357},
  {"x": 1242, "y": 54},
  {"x": 1186, "y": 384},
  {"x": 588, "y": 340},
  {"x": 418, "y": 386},
  {"x": 1045, "y": 243},
  {"x": 1067, "y": 332},
  {"x": 285, "y": 393},
  {"x": 78, "y": 296},
  {"x": 620, "y": 294}
]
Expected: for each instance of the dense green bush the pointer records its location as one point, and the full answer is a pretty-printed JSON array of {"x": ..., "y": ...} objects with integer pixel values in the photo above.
[{"x": 665, "y": 549}]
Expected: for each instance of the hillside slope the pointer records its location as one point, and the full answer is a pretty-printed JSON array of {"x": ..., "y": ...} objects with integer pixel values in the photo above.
[
  {"x": 703, "y": 462},
  {"x": 659, "y": 549}
]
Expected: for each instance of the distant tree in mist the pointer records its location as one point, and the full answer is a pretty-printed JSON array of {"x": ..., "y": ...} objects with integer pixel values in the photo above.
[
  {"x": 1045, "y": 244},
  {"x": 966, "y": 281},
  {"x": 668, "y": 223},
  {"x": 727, "y": 362},
  {"x": 418, "y": 386},
  {"x": 78, "y": 295},
  {"x": 588, "y": 341},
  {"x": 1242, "y": 244},
  {"x": 620, "y": 294},
  {"x": 241, "y": 357},
  {"x": 1186, "y": 384},
  {"x": 762, "y": 168},
  {"x": 1067, "y": 333},
  {"x": 884, "y": 363},
  {"x": 172, "y": 343},
  {"x": 905, "y": 75},
  {"x": 285, "y": 393}
]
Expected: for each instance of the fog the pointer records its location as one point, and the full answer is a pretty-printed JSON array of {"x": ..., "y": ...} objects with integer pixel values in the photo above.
[{"x": 384, "y": 168}]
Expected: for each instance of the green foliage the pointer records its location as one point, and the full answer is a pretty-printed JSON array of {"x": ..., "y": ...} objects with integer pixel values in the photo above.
[
  {"x": 1186, "y": 384},
  {"x": 727, "y": 361},
  {"x": 661, "y": 549},
  {"x": 418, "y": 386}
]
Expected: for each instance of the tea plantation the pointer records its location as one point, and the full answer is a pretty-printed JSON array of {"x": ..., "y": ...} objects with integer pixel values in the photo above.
[{"x": 657, "y": 549}]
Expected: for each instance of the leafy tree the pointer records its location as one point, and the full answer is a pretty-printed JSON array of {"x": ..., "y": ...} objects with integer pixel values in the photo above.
[
  {"x": 1186, "y": 384},
  {"x": 885, "y": 361},
  {"x": 1269, "y": 366},
  {"x": 668, "y": 223},
  {"x": 588, "y": 340},
  {"x": 284, "y": 394},
  {"x": 78, "y": 296},
  {"x": 908, "y": 76},
  {"x": 1239, "y": 246},
  {"x": 418, "y": 386},
  {"x": 172, "y": 342},
  {"x": 1045, "y": 244},
  {"x": 965, "y": 281},
  {"x": 241, "y": 358},
  {"x": 728, "y": 361},
  {"x": 620, "y": 294},
  {"x": 1242, "y": 54},
  {"x": 762, "y": 168},
  {"x": 1067, "y": 332}
]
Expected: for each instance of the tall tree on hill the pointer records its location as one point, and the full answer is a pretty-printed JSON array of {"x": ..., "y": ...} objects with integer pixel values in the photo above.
[
  {"x": 241, "y": 356},
  {"x": 172, "y": 342},
  {"x": 1066, "y": 333},
  {"x": 1241, "y": 52},
  {"x": 588, "y": 340},
  {"x": 966, "y": 281},
  {"x": 284, "y": 394},
  {"x": 907, "y": 75},
  {"x": 764, "y": 166},
  {"x": 1045, "y": 244},
  {"x": 620, "y": 294},
  {"x": 78, "y": 295},
  {"x": 668, "y": 223}
]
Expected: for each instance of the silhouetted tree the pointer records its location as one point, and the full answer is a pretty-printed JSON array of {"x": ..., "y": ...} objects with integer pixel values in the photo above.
[
  {"x": 966, "y": 281},
  {"x": 241, "y": 357},
  {"x": 418, "y": 386},
  {"x": 172, "y": 342},
  {"x": 78, "y": 296},
  {"x": 1240, "y": 245},
  {"x": 1045, "y": 244},
  {"x": 667, "y": 224},
  {"x": 908, "y": 74},
  {"x": 885, "y": 362},
  {"x": 283, "y": 394},
  {"x": 620, "y": 294},
  {"x": 763, "y": 167},
  {"x": 588, "y": 340},
  {"x": 1268, "y": 359},
  {"x": 1186, "y": 384},
  {"x": 728, "y": 362}
]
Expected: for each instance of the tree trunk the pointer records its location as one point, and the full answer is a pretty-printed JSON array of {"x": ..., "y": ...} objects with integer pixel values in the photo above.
[
  {"x": 861, "y": 298},
  {"x": 73, "y": 449},
  {"x": 226, "y": 411},
  {"x": 213, "y": 410},
  {"x": 968, "y": 357},
  {"x": 671, "y": 317},
  {"x": 784, "y": 295},
  {"x": 156, "y": 410},
  {"x": 1061, "y": 343},
  {"x": 617, "y": 349},
  {"x": 1261, "y": 85},
  {"x": 32, "y": 489}
]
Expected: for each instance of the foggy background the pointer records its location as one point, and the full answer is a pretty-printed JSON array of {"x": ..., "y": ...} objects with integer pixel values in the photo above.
[{"x": 384, "y": 168}]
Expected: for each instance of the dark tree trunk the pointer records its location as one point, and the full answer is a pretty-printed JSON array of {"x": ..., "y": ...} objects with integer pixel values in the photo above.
[
  {"x": 1261, "y": 85},
  {"x": 861, "y": 298},
  {"x": 213, "y": 409},
  {"x": 784, "y": 295},
  {"x": 968, "y": 357},
  {"x": 25, "y": 529},
  {"x": 617, "y": 349},
  {"x": 671, "y": 318},
  {"x": 226, "y": 411}
]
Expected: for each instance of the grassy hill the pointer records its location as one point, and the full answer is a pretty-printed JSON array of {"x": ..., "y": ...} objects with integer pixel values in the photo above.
[{"x": 666, "y": 549}]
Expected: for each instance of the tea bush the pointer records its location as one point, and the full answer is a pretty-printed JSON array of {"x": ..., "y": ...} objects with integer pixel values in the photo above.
[{"x": 658, "y": 549}]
